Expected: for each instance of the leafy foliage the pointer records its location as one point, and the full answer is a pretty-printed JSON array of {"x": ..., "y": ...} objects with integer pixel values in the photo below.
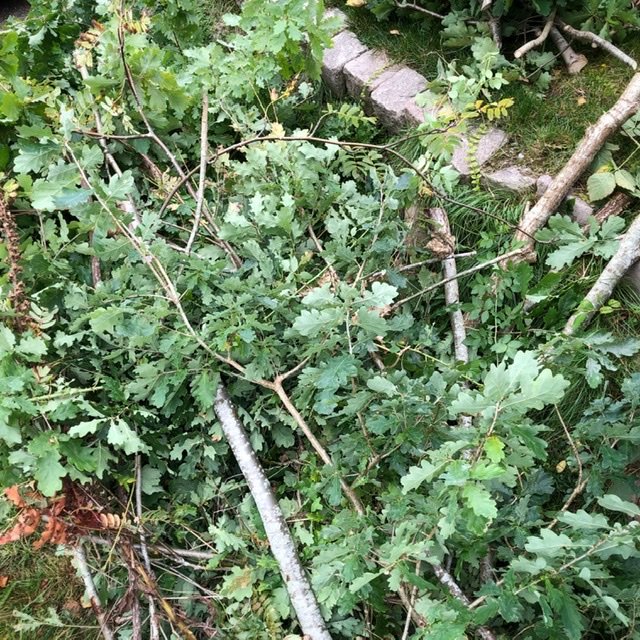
[{"x": 296, "y": 268}]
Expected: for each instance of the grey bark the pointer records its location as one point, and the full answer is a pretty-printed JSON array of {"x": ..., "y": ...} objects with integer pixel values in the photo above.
[
  {"x": 282, "y": 544},
  {"x": 627, "y": 254},
  {"x": 594, "y": 138}
]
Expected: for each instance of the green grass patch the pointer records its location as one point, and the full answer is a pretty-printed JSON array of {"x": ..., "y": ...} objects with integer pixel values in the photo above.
[{"x": 37, "y": 581}]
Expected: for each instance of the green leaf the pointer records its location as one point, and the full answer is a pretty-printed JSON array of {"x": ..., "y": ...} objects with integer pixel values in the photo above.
[
  {"x": 48, "y": 473},
  {"x": 600, "y": 185},
  {"x": 313, "y": 322},
  {"x": 381, "y": 294},
  {"x": 480, "y": 501},
  {"x": 417, "y": 475},
  {"x": 581, "y": 520},
  {"x": 121, "y": 435},
  {"x": 371, "y": 322},
  {"x": 624, "y": 179},
  {"x": 494, "y": 448},
  {"x": 7, "y": 341},
  {"x": 382, "y": 385},
  {"x": 362, "y": 580},
  {"x": 614, "y": 503},
  {"x": 548, "y": 544},
  {"x": 83, "y": 429},
  {"x": 32, "y": 345}
]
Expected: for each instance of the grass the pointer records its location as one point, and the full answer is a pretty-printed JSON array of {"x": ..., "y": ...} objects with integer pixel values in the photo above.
[{"x": 37, "y": 581}]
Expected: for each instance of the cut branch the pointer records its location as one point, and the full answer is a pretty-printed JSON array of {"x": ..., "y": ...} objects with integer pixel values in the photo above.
[
  {"x": 594, "y": 138},
  {"x": 575, "y": 62},
  {"x": 280, "y": 540},
  {"x": 536, "y": 42},
  {"x": 94, "y": 599},
  {"x": 417, "y": 7},
  {"x": 596, "y": 41},
  {"x": 627, "y": 254}
]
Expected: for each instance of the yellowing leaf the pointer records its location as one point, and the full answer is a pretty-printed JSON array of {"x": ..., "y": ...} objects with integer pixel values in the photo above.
[
  {"x": 581, "y": 100},
  {"x": 356, "y": 3},
  {"x": 561, "y": 466},
  {"x": 394, "y": 32}
]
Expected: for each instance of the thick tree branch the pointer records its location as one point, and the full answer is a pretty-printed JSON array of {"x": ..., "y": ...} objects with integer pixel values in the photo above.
[
  {"x": 282, "y": 546},
  {"x": 594, "y": 138},
  {"x": 596, "y": 41},
  {"x": 575, "y": 62},
  {"x": 627, "y": 254}
]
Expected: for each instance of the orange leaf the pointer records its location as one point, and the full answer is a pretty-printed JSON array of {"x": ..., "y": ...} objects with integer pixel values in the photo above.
[
  {"x": 3, "y": 581},
  {"x": 13, "y": 495},
  {"x": 26, "y": 524}
]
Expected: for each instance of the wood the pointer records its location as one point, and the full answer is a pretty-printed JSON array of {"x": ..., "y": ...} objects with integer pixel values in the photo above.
[
  {"x": 536, "y": 42},
  {"x": 627, "y": 254},
  {"x": 575, "y": 62},
  {"x": 591, "y": 143},
  {"x": 612, "y": 207},
  {"x": 282, "y": 544}
]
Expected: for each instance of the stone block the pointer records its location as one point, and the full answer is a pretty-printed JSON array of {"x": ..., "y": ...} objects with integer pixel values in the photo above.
[
  {"x": 340, "y": 17},
  {"x": 517, "y": 179},
  {"x": 580, "y": 210},
  {"x": 366, "y": 72},
  {"x": 415, "y": 115},
  {"x": 346, "y": 47},
  {"x": 390, "y": 98},
  {"x": 488, "y": 145}
]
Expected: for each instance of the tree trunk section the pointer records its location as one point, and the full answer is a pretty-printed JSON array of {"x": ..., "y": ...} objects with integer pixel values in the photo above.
[{"x": 280, "y": 540}]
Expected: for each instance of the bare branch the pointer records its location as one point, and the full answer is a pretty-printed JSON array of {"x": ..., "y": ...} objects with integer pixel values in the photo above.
[
  {"x": 575, "y": 62},
  {"x": 204, "y": 147},
  {"x": 580, "y": 485},
  {"x": 597, "y": 41},
  {"x": 280, "y": 540},
  {"x": 154, "y": 630},
  {"x": 478, "y": 267},
  {"x": 417, "y": 7},
  {"x": 594, "y": 138},
  {"x": 94, "y": 599},
  {"x": 536, "y": 42},
  {"x": 627, "y": 254}
]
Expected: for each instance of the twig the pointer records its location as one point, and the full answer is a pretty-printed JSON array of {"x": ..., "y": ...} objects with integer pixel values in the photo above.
[
  {"x": 454, "y": 589},
  {"x": 315, "y": 443},
  {"x": 580, "y": 485},
  {"x": 154, "y": 632},
  {"x": 478, "y": 267},
  {"x": 417, "y": 265},
  {"x": 536, "y": 42},
  {"x": 417, "y": 7},
  {"x": 204, "y": 147},
  {"x": 412, "y": 602},
  {"x": 94, "y": 599},
  {"x": 628, "y": 252},
  {"x": 597, "y": 41}
]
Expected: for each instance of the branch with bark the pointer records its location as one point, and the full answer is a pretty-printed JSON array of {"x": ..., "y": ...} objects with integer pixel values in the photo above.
[
  {"x": 282, "y": 545},
  {"x": 627, "y": 254},
  {"x": 594, "y": 138}
]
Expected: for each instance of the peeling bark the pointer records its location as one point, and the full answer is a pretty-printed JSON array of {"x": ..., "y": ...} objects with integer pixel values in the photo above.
[
  {"x": 594, "y": 138},
  {"x": 280, "y": 540}
]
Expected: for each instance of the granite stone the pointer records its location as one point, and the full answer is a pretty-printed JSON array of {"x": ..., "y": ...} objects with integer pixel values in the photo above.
[{"x": 346, "y": 47}]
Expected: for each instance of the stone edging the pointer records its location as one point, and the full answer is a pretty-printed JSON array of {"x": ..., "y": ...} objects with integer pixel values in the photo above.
[{"x": 389, "y": 91}]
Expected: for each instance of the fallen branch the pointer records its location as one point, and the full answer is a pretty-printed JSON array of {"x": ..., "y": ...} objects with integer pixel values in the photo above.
[
  {"x": 447, "y": 580},
  {"x": 613, "y": 207},
  {"x": 416, "y": 7},
  {"x": 596, "y": 41},
  {"x": 536, "y": 42},
  {"x": 94, "y": 599},
  {"x": 627, "y": 254},
  {"x": 154, "y": 628},
  {"x": 575, "y": 62},
  {"x": 594, "y": 138},
  {"x": 451, "y": 292},
  {"x": 282, "y": 546}
]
